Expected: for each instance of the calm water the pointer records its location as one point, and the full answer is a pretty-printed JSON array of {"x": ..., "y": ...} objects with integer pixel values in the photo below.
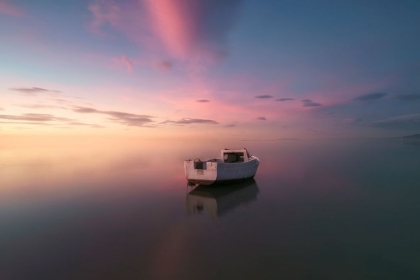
[{"x": 316, "y": 210}]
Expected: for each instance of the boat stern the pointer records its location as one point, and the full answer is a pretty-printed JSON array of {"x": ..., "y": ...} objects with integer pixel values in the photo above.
[{"x": 200, "y": 172}]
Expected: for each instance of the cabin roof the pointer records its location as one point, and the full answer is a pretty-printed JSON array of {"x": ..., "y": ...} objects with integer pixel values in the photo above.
[{"x": 233, "y": 150}]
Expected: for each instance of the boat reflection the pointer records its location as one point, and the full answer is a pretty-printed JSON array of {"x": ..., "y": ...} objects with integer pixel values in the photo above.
[{"x": 216, "y": 200}]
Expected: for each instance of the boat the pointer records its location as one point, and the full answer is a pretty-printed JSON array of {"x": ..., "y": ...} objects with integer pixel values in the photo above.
[
  {"x": 235, "y": 165},
  {"x": 218, "y": 200}
]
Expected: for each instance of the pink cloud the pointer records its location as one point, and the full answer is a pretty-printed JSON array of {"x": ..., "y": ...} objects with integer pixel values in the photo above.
[
  {"x": 187, "y": 27},
  {"x": 9, "y": 9},
  {"x": 104, "y": 12},
  {"x": 182, "y": 29},
  {"x": 124, "y": 62},
  {"x": 350, "y": 121},
  {"x": 164, "y": 65},
  {"x": 172, "y": 22}
]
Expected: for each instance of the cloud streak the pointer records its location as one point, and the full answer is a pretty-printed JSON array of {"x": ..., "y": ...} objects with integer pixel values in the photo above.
[
  {"x": 192, "y": 121},
  {"x": 310, "y": 103},
  {"x": 34, "y": 117},
  {"x": 33, "y": 91},
  {"x": 411, "y": 121},
  {"x": 186, "y": 26},
  {"x": 30, "y": 123},
  {"x": 124, "y": 62},
  {"x": 61, "y": 101},
  {"x": 9, "y": 9},
  {"x": 164, "y": 65},
  {"x": 261, "y": 118},
  {"x": 104, "y": 13},
  {"x": 39, "y": 106},
  {"x": 284, "y": 99},
  {"x": 203, "y": 101},
  {"x": 43, "y": 119},
  {"x": 409, "y": 97},
  {"x": 119, "y": 117},
  {"x": 184, "y": 29},
  {"x": 370, "y": 97},
  {"x": 264, "y": 96},
  {"x": 85, "y": 124}
]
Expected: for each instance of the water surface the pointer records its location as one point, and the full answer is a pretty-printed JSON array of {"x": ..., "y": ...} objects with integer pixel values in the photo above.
[{"x": 316, "y": 210}]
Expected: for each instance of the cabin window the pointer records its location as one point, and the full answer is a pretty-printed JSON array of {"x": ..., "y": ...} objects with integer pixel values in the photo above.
[
  {"x": 198, "y": 165},
  {"x": 233, "y": 157}
]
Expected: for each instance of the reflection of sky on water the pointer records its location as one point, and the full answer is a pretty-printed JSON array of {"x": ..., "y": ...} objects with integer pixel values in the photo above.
[{"x": 323, "y": 210}]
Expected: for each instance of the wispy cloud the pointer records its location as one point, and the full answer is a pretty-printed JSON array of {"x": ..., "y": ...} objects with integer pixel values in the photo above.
[
  {"x": 265, "y": 96},
  {"x": 34, "y": 117},
  {"x": 230, "y": 125},
  {"x": 120, "y": 117},
  {"x": 124, "y": 62},
  {"x": 164, "y": 65},
  {"x": 411, "y": 121},
  {"x": 370, "y": 97},
  {"x": 9, "y": 9},
  {"x": 182, "y": 29},
  {"x": 104, "y": 13},
  {"x": 284, "y": 99},
  {"x": 187, "y": 26},
  {"x": 310, "y": 103},
  {"x": 351, "y": 121},
  {"x": 33, "y": 91},
  {"x": 192, "y": 121},
  {"x": 61, "y": 101},
  {"x": 43, "y": 119},
  {"x": 39, "y": 106},
  {"x": 85, "y": 124},
  {"x": 30, "y": 123},
  {"x": 203, "y": 101},
  {"x": 409, "y": 97},
  {"x": 261, "y": 118}
]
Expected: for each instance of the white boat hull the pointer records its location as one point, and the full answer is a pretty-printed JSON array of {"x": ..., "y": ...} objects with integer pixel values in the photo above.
[{"x": 217, "y": 171}]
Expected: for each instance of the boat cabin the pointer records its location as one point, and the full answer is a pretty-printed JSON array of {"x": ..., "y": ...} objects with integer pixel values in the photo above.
[
  {"x": 234, "y": 165},
  {"x": 232, "y": 156}
]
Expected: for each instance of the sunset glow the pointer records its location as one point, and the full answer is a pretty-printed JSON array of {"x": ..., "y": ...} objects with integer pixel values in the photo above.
[{"x": 241, "y": 69}]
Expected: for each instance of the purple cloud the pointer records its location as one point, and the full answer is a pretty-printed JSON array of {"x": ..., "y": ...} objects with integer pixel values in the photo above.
[
  {"x": 34, "y": 117},
  {"x": 125, "y": 62},
  {"x": 61, "y": 101},
  {"x": 43, "y": 119},
  {"x": 310, "y": 103},
  {"x": 192, "y": 121},
  {"x": 33, "y": 91},
  {"x": 164, "y": 65},
  {"x": 120, "y": 117},
  {"x": 9, "y": 9},
  {"x": 39, "y": 106},
  {"x": 85, "y": 124},
  {"x": 264, "y": 96},
  {"x": 284, "y": 99},
  {"x": 411, "y": 121},
  {"x": 31, "y": 123},
  {"x": 409, "y": 97},
  {"x": 370, "y": 97},
  {"x": 185, "y": 29}
]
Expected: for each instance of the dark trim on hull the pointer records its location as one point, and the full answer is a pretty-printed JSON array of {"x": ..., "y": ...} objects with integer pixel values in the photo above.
[{"x": 219, "y": 182}]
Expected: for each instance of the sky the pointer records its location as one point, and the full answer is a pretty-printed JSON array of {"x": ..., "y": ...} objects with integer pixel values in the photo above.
[{"x": 254, "y": 70}]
